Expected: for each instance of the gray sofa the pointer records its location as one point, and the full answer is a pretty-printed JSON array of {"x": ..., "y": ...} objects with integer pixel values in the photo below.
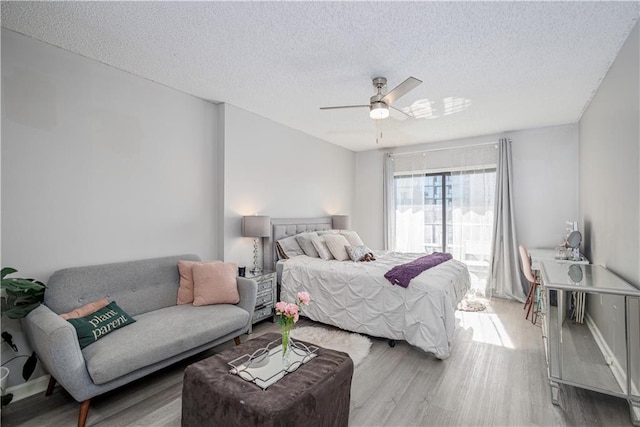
[{"x": 162, "y": 334}]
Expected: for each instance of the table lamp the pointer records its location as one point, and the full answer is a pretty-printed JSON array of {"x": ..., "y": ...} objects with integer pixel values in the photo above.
[
  {"x": 256, "y": 226},
  {"x": 340, "y": 222}
]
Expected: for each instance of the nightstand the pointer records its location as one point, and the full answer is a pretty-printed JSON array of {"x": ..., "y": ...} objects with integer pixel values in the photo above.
[{"x": 266, "y": 297}]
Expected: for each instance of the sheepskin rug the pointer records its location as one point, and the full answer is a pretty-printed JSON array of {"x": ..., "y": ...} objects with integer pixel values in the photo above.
[{"x": 355, "y": 345}]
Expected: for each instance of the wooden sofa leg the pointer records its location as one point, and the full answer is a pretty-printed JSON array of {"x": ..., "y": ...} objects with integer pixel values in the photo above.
[
  {"x": 84, "y": 411},
  {"x": 237, "y": 340},
  {"x": 52, "y": 384}
]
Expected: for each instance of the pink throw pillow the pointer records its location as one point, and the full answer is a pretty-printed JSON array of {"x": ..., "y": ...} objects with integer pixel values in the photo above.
[
  {"x": 86, "y": 309},
  {"x": 215, "y": 283},
  {"x": 185, "y": 290}
]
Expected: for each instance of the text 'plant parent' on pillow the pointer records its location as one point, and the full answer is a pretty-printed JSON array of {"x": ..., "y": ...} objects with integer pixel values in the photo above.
[
  {"x": 215, "y": 283},
  {"x": 99, "y": 324}
]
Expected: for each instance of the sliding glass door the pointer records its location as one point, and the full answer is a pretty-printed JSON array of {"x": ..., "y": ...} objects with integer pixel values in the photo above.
[{"x": 449, "y": 211}]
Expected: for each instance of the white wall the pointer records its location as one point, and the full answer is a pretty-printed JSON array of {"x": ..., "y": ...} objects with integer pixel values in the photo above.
[
  {"x": 274, "y": 170},
  {"x": 545, "y": 163},
  {"x": 99, "y": 165},
  {"x": 609, "y": 167}
]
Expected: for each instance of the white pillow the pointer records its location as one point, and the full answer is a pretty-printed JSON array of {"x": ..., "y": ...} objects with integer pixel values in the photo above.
[
  {"x": 337, "y": 244},
  {"x": 304, "y": 240},
  {"x": 320, "y": 245},
  {"x": 325, "y": 232},
  {"x": 352, "y": 238},
  {"x": 289, "y": 247}
]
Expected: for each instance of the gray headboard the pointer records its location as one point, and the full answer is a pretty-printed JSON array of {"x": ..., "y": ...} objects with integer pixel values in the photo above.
[{"x": 284, "y": 227}]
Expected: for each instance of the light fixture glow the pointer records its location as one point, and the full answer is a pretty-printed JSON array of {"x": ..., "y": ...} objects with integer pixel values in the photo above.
[{"x": 378, "y": 110}]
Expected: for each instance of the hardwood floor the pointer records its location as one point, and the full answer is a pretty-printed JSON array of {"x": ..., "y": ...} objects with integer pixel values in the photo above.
[{"x": 495, "y": 376}]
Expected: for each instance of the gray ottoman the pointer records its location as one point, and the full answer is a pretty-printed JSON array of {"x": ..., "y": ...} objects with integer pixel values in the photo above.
[{"x": 317, "y": 394}]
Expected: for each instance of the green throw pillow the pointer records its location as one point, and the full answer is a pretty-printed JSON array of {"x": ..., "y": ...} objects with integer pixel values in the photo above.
[{"x": 104, "y": 321}]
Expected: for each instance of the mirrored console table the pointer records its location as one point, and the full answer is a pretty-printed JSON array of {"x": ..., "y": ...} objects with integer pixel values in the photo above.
[{"x": 598, "y": 349}]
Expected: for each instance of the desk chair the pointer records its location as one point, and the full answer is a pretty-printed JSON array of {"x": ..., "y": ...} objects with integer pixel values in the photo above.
[{"x": 534, "y": 283}]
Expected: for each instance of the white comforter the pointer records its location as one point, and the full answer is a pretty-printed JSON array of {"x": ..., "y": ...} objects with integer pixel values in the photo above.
[{"x": 355, "y": 296}]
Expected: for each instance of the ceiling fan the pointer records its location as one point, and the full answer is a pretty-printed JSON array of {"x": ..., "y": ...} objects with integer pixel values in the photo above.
[{"x": 380, "y": 103}]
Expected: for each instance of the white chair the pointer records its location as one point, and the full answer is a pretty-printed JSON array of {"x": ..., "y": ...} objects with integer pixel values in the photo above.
[{"x": 534, "y": 283}]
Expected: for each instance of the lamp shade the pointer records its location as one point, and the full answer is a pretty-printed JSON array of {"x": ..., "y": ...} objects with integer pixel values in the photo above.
[
  {"x": 340, "y": 222},
  {"x": 255, "y": 226}
]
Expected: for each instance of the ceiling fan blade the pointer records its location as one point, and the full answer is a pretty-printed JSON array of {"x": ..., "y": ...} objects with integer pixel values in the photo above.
[
  {"x": 344, "y": 106},
  {"x": 398, "y": 114},
  {"x": 401, "y": 90}
]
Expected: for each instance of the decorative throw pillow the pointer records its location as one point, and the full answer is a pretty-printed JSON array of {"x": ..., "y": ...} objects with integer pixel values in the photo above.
[
  {"x": 185, "y": 290},
  {"x": 325, "y": 232},
  {"x": 215, "y": 283},
  {"x": 304, "y": 240},
  {"x": 321, "y": 247},
  {"x": 352, "y": 237},
  {"x": 86, "y": 309},
  {"x": 96, "y": 325},
  {"x": 336, "y": 244},
  {"x": 289, "y": 247},
  {"x": 357, "y": 252}
]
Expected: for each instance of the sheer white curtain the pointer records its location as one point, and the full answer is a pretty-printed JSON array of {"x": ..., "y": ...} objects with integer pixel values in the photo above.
[
  {"x": 470, "y": 219},
  {"x": 410, "y": 210},
  {"x": 505, "y": 274}
]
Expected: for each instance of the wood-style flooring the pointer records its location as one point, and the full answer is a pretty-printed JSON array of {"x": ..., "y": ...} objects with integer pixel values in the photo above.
[{"x": 495, "y": 376}]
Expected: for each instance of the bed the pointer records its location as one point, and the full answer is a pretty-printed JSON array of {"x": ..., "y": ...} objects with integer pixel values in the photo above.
[{"x": 355, "y": 296}]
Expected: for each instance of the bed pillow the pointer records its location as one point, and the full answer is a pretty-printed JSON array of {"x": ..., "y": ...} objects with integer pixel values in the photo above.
[
  {"x": 357, "y": 252},
  {"x": 215, "y": 283},
  {"x": 304, "y": 240},
  {"x": 320, "y": 245},
  {"x": 352, "y": 237},
  {"x": 185, "y": 289},
  {"x": 289, "y": 247},
  {"x": 86, "y": 309},
  {"x": 337, "y": 244},
  {"x": 96, "y": 325},
  {"x": 325, "y": 232}
]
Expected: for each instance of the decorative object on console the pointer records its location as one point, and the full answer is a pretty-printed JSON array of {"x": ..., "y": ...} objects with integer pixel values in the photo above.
[
  {"x": 340, "y": 222},
  {"x": 256, "y": 226},
  {"x": 287, "y": 315}
]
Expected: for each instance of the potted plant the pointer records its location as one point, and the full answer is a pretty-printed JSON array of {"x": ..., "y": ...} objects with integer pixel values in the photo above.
[{"x": 20, "y": 297}]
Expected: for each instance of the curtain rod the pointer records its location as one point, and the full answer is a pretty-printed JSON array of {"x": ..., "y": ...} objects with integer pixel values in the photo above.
[{"x": 410, "y": 153}]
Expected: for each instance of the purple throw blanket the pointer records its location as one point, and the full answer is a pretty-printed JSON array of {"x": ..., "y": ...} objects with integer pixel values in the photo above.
[{"x": 402, "y": 274}]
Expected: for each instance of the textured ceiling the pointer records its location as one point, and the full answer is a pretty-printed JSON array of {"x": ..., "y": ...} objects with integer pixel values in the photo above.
[{"x": 487, "y": 67}]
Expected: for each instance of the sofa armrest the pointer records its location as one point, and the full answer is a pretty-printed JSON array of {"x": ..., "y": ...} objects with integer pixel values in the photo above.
[
  {"x": 248, "y": 289},
  {"x": 56, "y": 344}
]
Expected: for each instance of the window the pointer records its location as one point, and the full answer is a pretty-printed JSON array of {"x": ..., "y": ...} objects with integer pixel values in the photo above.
[{"x": 447, "y": 212}]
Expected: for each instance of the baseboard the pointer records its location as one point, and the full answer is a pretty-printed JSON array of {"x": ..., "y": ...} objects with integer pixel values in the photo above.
[
  {"x": 616, "y": 368},
  {"x": 31, "y": 387}
]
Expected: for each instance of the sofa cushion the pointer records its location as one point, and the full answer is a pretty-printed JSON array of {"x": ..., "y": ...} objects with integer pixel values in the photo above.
[
  {"x": 86, "y": 309},
  {"x": 138, "y": 286},
  {"x": 98, "y": 325},
  {"x": 185, "y": 290},
  {"x": 159, "y": 335},
  {"x": 215, "y": 283}
]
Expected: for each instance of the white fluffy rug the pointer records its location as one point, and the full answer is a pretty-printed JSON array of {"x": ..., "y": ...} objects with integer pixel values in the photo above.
[
  {"x": 355, "y": 345},
  {"x": 473, "y": 302}
]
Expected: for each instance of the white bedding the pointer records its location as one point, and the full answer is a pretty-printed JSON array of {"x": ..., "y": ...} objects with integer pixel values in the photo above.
[{"x": 355, "y": 296}]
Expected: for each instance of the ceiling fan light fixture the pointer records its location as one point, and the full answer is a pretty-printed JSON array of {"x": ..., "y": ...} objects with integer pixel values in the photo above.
[{"x": 378, "y": 110}]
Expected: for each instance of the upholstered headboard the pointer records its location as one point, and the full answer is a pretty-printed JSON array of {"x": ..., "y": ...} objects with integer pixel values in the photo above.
[{"x": 284, "y": 227}]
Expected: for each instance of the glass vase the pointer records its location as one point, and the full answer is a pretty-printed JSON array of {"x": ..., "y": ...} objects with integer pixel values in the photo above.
[{"x": 286, "y": 345}]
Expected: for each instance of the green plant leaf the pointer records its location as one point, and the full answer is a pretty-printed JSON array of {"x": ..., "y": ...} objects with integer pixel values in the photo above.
[
  {"x": 29, "y": 366},
  {"x": 6, "y": 271},
  {"x": 6, "y": 399}
]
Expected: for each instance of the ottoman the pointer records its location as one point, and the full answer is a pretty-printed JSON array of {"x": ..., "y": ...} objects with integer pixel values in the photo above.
[{"x": 318, "y": 393}]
